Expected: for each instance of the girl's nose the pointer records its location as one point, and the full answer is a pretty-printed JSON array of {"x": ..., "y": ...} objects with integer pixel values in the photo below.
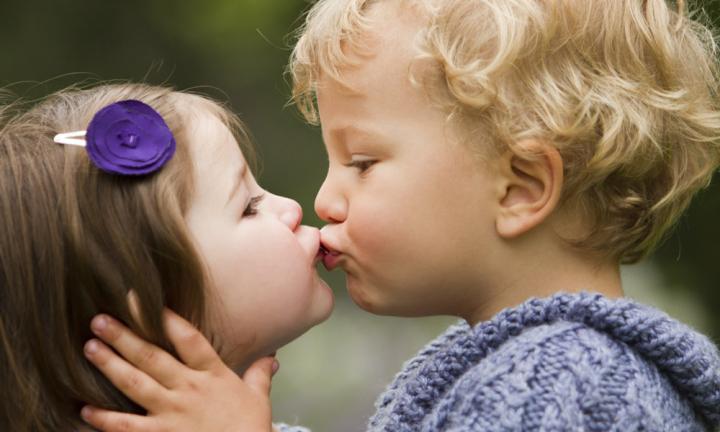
[
  {"x": 330, "y": 205},
  {"x": 290, "y": 213}
]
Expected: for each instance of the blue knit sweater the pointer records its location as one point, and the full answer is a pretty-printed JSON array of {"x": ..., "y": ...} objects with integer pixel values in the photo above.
[{"x": 572, "y": 362}]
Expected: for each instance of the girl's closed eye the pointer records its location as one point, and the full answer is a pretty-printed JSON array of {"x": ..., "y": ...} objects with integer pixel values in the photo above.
[{"x": 251, "y": 208}]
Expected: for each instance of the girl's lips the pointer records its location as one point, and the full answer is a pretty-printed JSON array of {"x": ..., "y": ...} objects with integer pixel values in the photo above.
[
  {"x": 320, "y": 256},
  {"x": 309, "y": 239}
]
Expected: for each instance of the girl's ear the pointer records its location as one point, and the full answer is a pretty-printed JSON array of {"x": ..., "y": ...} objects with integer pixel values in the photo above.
[{"x": 530, "y": 188}]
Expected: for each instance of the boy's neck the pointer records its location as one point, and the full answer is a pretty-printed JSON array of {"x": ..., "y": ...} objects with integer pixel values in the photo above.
[
  {"x": 542, "y": 269},
  {"x": 603, "y": 281}
]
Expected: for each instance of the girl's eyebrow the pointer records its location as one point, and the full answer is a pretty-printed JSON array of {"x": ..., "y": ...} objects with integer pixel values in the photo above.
[{"x": 238, "y": 182}]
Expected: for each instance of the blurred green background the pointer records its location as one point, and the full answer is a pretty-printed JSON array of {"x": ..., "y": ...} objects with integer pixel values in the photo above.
[{"x": 237, "y": 50}]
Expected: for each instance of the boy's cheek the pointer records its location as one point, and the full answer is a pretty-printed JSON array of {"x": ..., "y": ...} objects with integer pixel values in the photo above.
[{"x": 383, "y": 242}]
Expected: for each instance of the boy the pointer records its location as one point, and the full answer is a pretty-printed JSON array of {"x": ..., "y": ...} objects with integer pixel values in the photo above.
[{"x": 497, "y": 160}]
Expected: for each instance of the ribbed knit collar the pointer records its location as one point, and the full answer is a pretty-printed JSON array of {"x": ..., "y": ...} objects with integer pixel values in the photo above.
[{"x": 689, "y": 359}]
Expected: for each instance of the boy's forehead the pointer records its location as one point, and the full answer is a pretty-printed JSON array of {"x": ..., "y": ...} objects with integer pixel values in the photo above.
[
  {"x": 375, "y": 90},
  {"x": 384, "y": 51}
]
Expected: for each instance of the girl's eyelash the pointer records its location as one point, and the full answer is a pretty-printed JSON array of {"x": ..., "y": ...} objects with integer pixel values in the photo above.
[{"x": 251, "y": 208}]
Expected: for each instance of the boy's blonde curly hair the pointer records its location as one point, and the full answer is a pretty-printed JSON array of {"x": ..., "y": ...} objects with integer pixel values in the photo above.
[{"x": 627, "y": 90}]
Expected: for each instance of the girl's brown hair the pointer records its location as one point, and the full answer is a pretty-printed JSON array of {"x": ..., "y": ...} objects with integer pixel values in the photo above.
[{"x": 73, "y": 242}]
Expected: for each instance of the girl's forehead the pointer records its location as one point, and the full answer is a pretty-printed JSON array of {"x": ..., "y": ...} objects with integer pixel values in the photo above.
[{"x": 213, "y": 148}]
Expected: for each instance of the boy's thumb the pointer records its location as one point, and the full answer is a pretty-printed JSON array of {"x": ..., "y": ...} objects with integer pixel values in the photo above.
[{"x": 259, "y": 375}]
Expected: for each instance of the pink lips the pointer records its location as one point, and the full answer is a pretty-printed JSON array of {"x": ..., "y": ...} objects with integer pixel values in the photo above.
[
  {"x": 320, "y": 256},
  {"x": 330, "y": 258}
]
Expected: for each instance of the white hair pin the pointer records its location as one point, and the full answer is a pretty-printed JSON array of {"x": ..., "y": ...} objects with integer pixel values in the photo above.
[{"x": 71, "y": 138}]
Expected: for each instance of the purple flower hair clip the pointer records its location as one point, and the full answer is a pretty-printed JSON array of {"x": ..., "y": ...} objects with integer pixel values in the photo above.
[{"x": 126, "y": 138}]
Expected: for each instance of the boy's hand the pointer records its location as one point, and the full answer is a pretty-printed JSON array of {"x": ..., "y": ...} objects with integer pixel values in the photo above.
[{"x": 202, "y": 394}]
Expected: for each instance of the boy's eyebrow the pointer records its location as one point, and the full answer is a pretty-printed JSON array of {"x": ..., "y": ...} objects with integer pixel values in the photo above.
[
  {"x": 238, "y": 182},
  {"x": 340, "y": 134}
]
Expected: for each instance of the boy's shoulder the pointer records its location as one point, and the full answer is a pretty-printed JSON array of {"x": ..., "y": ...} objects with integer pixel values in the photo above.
[
  {"x": 568, "y": 360},
  {"x": 567, "y": 375}
]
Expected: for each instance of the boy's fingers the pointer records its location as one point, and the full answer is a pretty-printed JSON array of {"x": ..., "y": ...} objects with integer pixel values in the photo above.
[
  {"x": 259, "y": 375},
  {"x": 160, "y": 365},
  {"x": 135, "y": 384},
  {"x": 111, "y": 421},
  {"x": 192, "y": 347}
]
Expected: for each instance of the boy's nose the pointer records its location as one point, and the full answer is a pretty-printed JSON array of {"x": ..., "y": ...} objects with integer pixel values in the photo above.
[{"x": 330, "y": 206}]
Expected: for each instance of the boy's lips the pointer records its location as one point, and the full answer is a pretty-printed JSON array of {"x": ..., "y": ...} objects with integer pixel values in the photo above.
[{"x": 330, "y": 258}]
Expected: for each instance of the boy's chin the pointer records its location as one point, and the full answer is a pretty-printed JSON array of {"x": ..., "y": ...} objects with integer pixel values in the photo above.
[
  {"x": 364, "y": 296},
  {"x": 380, "y": 301}
]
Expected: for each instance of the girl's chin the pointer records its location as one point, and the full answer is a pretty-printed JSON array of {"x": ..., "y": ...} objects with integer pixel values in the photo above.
[
  {"x": 240, "y": 366},
  {"x": 320, "y": 310},
  {"x": 327, "y": 300}
]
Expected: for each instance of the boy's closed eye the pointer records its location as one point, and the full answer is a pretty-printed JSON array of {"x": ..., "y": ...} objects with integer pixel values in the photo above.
[{"x": 362, "y": 164}]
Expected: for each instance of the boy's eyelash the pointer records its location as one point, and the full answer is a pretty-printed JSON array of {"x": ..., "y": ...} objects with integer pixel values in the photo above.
[
  {"x": 251, "y": 208},
  {"x": 362, "y": 165}
]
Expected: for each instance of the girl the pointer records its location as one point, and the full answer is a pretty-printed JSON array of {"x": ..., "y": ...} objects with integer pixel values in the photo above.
[{"x": 156, "y": 197}]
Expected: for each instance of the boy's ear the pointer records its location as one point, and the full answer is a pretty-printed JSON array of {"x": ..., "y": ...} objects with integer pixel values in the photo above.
[{"x": 530, "y": 188}]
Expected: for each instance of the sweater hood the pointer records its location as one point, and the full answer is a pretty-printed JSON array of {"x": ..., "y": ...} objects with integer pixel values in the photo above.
[{"x": 687, "y": 358}]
